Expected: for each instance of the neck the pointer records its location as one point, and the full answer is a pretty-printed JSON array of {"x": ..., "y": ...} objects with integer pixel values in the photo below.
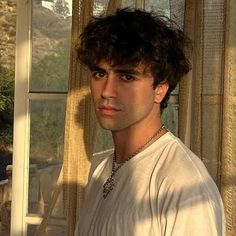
[{"x": 129, "y": 140}]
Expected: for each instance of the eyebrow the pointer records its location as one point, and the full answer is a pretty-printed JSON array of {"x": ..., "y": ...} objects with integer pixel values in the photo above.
[
  {"x": 95, "y": 68},
  {"x": 121, "y": 70}
]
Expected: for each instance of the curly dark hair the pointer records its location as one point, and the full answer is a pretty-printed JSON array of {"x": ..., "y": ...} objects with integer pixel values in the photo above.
[{"x": 131, "y": 36}]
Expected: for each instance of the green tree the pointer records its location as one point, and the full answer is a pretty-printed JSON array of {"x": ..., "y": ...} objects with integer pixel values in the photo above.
[
  {"x": 48, "y": 116},
  {"x": 6, "y": 107},
  {"x": 47, "y": 130},
  {"x": 51, "y": 72}
]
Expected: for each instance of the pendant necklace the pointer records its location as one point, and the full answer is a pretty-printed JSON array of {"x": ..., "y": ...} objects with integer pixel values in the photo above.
[{"x": 109, "y": 185}]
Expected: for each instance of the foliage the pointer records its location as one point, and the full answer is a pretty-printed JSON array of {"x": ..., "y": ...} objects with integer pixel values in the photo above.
[
  {"x": 51, "y": 73},
  {"x": 48, "y": 116},
  {"x": 6, "y": 106},
  {"x": 47, "y": 119},
  {"x": 47, "y": 130},
  {"x": 60, "y": 7}
]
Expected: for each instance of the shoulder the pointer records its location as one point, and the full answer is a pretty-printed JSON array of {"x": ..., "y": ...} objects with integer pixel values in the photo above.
[
  {"x": 98, "y": 158},
  {"x": 182, "y": 185},
  {"x": 180, "y": 160},
  {"x": 183, "y": 173}
]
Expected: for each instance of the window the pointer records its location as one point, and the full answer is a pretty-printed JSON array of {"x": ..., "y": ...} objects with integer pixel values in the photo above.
[{"x": 42, "y": 71}]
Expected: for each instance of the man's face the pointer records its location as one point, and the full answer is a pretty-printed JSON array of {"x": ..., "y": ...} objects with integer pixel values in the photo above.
[{"x": 123, "y": 96}]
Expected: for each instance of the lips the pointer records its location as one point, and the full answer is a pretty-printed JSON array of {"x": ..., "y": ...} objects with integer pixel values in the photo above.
[{"x": 108, "y": 110}]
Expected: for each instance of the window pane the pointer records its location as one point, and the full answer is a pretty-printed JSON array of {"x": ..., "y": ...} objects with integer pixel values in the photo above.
[
  {"x": 162, "y": 6},
  {"x": 51, "y": 32},
  {"x": 46, "y": 151},
  {"x": 128, "y": 3},
  {"x": 50, "y": 230},
  {"x": 170, "y": 117},
  {"x": 103, "y": 140},
  {"x": 99, "y": 7},
  {"x": 31, "y": 230}
]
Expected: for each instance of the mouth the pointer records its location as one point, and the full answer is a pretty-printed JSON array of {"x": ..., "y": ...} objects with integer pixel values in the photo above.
[{"x": 108, "y": 110}]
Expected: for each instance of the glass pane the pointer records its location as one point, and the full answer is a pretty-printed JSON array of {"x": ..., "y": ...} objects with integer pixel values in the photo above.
[
  {"x": 162, "y": 6},
  {"x": 46, "y": 151},
  {"x": 170, "y": 118},
  {"x": 31, "y": 230},
  {"x": 128, "y": 3},
  {"x": 51, "y": 32},
  {"x": 103, "y": 140},
  {"x": 50, "y": 230},
  {"x": 99, "y": 7}
]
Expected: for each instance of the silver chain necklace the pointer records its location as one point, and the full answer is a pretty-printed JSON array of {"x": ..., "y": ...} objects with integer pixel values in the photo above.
[{"x": 109, "y": 185}]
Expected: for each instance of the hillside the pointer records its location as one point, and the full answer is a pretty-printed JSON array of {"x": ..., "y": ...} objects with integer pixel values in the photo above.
[
  {"x": 7, "y": 32},
  {"x": 48, "y": 31}
]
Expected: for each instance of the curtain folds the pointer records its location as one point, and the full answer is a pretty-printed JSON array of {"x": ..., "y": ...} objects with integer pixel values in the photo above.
[
  {"x": 80, "y": 123},
  {"x": 228, "y": 167},
  {"x": 191, "y": 82},
  {"x": 207, "y": 95},
  {"x": 79, "y": 132},
  {"x": 79, "y": 129},
  {"x": 80, "y": 126}
]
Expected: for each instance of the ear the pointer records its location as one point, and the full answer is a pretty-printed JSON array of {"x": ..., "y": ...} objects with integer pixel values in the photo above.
[{"x": 160, "y": 91}]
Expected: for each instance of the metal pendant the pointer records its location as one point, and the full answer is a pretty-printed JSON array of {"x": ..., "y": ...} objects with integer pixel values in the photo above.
[{"x": 108, "y": 186}]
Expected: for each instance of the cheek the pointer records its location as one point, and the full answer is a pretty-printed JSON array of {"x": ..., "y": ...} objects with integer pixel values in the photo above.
[
  {"x": 139, "y": 101},
  {"x": 95, "y": 91},
  {"x": 143, "y": 95}
]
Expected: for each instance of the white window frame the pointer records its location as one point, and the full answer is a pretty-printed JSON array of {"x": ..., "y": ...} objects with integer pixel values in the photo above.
[
  {"x": 21, "y": 140},
  {"x": 21, "y": 119}
]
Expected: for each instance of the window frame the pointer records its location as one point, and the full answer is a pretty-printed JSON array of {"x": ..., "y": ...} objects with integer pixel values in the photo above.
[
  {"x": 21, "y": 139},
  {"x": 21, "y": 119}
]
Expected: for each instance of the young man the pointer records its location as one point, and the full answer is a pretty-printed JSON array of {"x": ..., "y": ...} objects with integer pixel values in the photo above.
[{"x": 151, "y": 183}]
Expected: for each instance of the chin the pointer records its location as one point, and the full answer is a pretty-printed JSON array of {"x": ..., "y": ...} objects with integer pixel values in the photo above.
[{"x": 110, "y": 127}]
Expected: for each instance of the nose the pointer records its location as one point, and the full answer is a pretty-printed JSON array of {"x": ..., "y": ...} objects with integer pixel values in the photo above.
[{"x": 110, "y": 88}]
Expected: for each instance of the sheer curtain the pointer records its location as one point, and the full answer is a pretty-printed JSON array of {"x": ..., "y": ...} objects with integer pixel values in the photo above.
[
  {"x": 79, "y": 131},
  {"x": 207, "y": 95},
  {"x": 207, "y": 103},
  {"x": 80, "y": 126}
]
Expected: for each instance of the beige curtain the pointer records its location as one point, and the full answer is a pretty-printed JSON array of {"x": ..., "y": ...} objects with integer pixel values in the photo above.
[
  {"x": 228, "y": 152},
  {"x": 80, "y": 123},
  {"x": 207, "y": 96},
  {"x": 79, "y": 133},
  {"x": 79, "y": 130},
  {"x": 80, "y": 126}
]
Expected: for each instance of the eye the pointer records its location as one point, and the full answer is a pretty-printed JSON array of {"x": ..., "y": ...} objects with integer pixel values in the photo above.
[
  {"x": 98, "y": 74},
  {"x": 127, "y": 77}
]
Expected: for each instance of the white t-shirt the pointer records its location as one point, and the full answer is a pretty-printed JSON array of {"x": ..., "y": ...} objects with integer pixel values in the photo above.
[{"x": 164, "y": 190}]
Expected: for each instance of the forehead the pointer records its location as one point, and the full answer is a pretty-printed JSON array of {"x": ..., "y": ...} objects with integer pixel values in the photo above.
[{"x": 140, "y": 67}]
